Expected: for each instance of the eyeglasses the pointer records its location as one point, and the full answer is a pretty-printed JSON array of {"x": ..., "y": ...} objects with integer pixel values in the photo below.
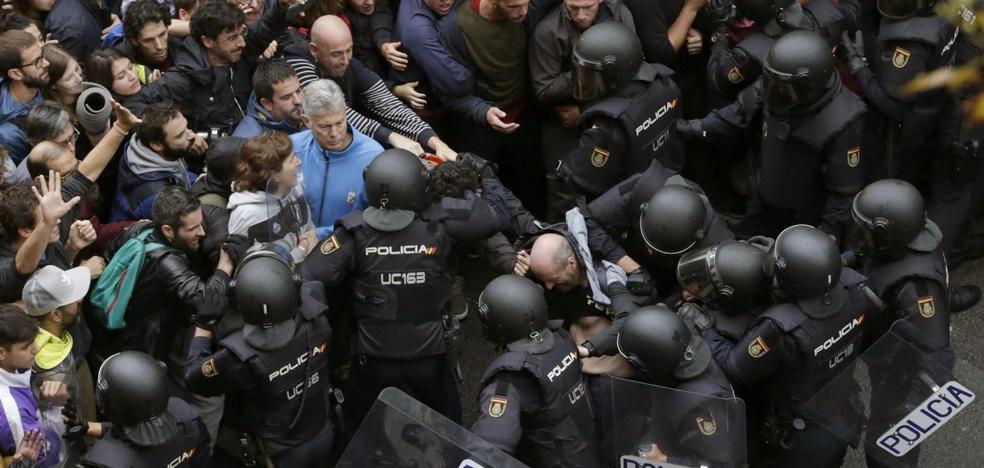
[
  {"x": 36, "y": 63},
  {"x": 69, "y": 140}
]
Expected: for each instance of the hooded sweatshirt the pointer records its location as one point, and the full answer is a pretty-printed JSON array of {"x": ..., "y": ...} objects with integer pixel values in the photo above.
[
  {"x": 143, "y": 173},
  {"x": 258, "y": 120}
]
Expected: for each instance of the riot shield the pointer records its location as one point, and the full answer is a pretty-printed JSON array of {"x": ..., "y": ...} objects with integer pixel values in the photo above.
[
  {"x": 288, "y": 215},
  {"x": 689, "y": 429},
  {"x": 908, "y": 407},
  {"x": 400, "y": 431}
]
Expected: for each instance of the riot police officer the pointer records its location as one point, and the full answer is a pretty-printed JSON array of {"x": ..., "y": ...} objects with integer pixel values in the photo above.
[
  {"x": 631, "y": 108},
  {"x": 811, "y": 153},
  {"x": 277, "y": 363},
  {"x": 654, "y": 217},
  {"x": 150, "y": 429},
  {"x": 726, "y": 279},
  {"x": 731, "y": 69},
  {"x": 912, "y": 40},
  {"x": 799, "y": 344},
  {"x": 899, "y": 251},
  {"x": 396, "y": 253},
  {"x": 662, "y": 350},
  {"x": 535, "y": 390}
]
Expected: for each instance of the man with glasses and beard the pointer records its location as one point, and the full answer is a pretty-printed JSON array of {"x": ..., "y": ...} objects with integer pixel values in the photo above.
[
  {"x": 155, "y": 158},
  {"x": 23, "y": 71}
]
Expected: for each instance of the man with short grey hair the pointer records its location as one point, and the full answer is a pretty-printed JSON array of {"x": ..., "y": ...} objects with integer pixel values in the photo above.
[{"x": 333, "y": 155}]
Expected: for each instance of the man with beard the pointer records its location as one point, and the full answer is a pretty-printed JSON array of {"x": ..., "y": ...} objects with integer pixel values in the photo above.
[
  {"x": 24, "y": 71},
  {"x": 276, "y": 101},
  {"x": 154, "y": 158}
]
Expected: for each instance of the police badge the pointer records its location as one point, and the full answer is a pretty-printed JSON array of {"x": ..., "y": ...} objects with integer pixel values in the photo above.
[
  {"x": 706, "y": 426},
  {"x": 926, "y": 306},
  {"x": 900, "y": 58},
  {"x": 757, "y": 348},
  {"x": 735, "y": 76},
  {"x": 208, "y": 368},
  {"x": 497, "y": 406},
  {"x": 599, "y": 157},
  {"x": 854, "y": 156},
  {"x": 330, "y": 245}
]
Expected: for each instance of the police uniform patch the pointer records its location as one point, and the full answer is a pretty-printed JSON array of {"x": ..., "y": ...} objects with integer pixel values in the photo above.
[
  {"x": 350, "y": 199},
  {"x": 757, "y": 348},
  {"x": 765, "y": 130},
  {"x": 599, "y": 157},
  {"x": 854, "y": 156},
  {"x": 707, "y": 426},
  {"x": 497, "y": 406},
  {"x": 735, "y": 76},
  {"x": 900, "y": 58},
  {"x": 926, "y": 306},
  {"x": 330, "y": 245},
  {"x": 208, "y": 368}
]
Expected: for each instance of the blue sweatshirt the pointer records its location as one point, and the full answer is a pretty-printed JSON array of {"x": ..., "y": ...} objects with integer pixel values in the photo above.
[{"x": 333, "y": 182}]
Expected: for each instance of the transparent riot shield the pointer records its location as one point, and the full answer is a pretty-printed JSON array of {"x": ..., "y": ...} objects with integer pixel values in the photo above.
[
  {"x": 400, "y": 431},
  {"x": 657, "y": 427},
  {"x": 906, "y": 406},
  {"x": 288, "y": 215}
]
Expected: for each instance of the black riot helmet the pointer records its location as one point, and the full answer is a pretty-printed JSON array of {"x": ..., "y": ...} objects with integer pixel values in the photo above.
[
  {"x": 659, "y": 345},
  {"x": 606, "y": 56},
  {"x": 763, "y": 11},
  {"x": 804, "y": 263},
  {"x": 673, "y": 219},
  {"x": 132, "y": 391},
  {"x": 728, "y": 275},
  {"x": 512, "y": 308},
  {"x": 902, "y": 9},
  {"x": 798, "y": 71},
  {"x": 266, "y": 290},
  {"x": 889, "y": 214},
  {"x": 396, "y": 179}
]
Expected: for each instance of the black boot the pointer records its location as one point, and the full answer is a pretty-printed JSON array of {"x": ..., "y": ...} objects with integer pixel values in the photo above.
[{"x": 964, "y": 297}]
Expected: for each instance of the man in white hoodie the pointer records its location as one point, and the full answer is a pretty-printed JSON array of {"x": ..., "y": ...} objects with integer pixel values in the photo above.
[{"x": 155, "y": 158}]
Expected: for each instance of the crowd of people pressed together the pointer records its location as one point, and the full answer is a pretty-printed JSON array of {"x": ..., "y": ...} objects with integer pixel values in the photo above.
[{"x": 225, "y": 221}]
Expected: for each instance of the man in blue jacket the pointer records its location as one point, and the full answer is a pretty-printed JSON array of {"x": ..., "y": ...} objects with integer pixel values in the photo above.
[
  {"x": 333, "y": 156},
  {"x": 276, "y": 101},
  {"x": 23, "y": 71}
]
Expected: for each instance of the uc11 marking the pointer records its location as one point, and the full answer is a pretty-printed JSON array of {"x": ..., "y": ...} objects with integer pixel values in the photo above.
[{"x": 926, "y": 419}]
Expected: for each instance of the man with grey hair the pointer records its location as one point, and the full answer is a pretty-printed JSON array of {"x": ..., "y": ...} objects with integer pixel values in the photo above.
[{"x": 333, "y": 155}]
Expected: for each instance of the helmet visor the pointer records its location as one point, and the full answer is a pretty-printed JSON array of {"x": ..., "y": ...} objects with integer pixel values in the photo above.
[
  {"x": 589, "y": 83},
  {"x": 697, "y": 275},
  {"x": 898, "y": 9},
  {"x": 780, "y": 95}
]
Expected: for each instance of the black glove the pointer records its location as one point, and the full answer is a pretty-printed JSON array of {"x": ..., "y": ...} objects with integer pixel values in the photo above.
[
  {"x": 77, "y": 426},
  {"x": 691, "y": 128},
  {"x": 640, "y": 283},
  {"x": 210, "y": 310},
  {"x": 720, "y": 16},
  {"x": 236, "y": 246},
  {"x": 592, "y": 352},
  {"x": 695, "y": 317},
  {"x": 854, "y": 52},
  {"x": 762, "y": 242},
  {"x": 477, "y": 164}
]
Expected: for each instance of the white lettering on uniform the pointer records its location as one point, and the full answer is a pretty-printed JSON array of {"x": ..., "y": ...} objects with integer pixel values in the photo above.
[
  {"x": 403, "y": 278},
  {"x": 469, "y": 463},
  {"x": 926, "y": 419},
  {"x": 564, "y": 364},
  {"x": 656, "y": 116},
  {"x": 181, "y": 458},
  {"x": 845, "y": 330},
  {"x": 400, "y": 250}
]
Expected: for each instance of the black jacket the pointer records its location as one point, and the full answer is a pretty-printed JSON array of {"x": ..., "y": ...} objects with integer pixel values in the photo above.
[{"x": 211, "y": 96}]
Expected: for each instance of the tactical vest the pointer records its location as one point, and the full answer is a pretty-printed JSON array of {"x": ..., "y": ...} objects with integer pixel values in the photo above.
[
  {"x": 793, "y": 153},
  {"x": 176, "y": 452},
  {"x": 287, "y": 407},
  {"x": 402, "y": 287},
  {"x": 825, "y": 346},
  {"x": 884, "y": 276},
  {"x": 933, "y": 31},
  {"x": 563, "y": 426},
  {"x": 648, "y": 120}
]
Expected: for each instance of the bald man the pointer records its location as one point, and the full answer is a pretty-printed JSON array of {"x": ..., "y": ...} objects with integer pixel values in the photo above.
[{"x": 329, "y": 55}]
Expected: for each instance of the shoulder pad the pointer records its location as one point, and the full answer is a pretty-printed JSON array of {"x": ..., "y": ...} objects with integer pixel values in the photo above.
[
  {"x": 511, "y": 361},
  {"x": 313, "y": 301},
  {"x": 926, "y": 29},
  {"x": 654, "y": 70},
  {"x": 352, "y": 220},
  {"x": 835, "y": 116},
  {"x": 757, "y": 46},
  {"x": 787, "y": 316},
  {"x": 824, "y": 12},
  {"x": 181, "y": 410},
  {"x": 236, "y": 344},
  {"x": 850, "y": 277}
]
